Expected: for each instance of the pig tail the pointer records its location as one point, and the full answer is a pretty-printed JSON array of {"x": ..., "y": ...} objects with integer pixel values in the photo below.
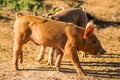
[{"x": 18, "y": 14}]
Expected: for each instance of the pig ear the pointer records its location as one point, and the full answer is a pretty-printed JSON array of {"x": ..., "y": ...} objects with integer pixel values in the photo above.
[{"x": 89, "y": 29}]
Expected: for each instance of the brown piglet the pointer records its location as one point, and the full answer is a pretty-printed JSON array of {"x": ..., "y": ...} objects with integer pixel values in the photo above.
[{"x": 66, "y": 38}]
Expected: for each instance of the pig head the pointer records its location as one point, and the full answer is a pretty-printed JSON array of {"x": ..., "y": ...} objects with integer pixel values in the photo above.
[
  {"x": 91, "y": 42},
  {"x": 66, "y": 38}
]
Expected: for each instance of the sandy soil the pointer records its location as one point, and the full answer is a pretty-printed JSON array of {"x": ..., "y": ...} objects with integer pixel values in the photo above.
[{"x": 104, "y": 67}]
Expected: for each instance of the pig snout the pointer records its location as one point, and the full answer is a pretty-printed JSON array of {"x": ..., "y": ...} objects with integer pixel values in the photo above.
[{"x": 102, "y": 51}]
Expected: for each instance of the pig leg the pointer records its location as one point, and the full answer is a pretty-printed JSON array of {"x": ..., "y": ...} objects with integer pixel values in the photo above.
[
  {"x": 19, "y": 40},
  {"x": 16, "y": 51},
  {"x": 72, "y": 55},
  {"x": 71, "y": 52},
  {"x": 51, "y": 56},
  {"x": 41, "y": 54},
  {"x": 58, "y": 59},
  {"x": 21, "y": 56}
]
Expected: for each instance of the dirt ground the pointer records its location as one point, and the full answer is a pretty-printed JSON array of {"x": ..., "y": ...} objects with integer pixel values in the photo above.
[{"x": 104, "y": 67}]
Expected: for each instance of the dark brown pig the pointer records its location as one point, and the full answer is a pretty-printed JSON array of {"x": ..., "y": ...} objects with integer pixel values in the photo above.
[
  {"x": 72, "y": 15},
  {"x": 66, "y": 38}
]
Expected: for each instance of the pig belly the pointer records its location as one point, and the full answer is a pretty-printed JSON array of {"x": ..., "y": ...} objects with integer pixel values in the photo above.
[{"x": 43, "y": 41}]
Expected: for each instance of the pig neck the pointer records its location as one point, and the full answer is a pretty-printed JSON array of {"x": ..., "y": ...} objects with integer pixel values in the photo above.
[
  {"x": 81, "y": 41},
  {"x": 78, "y": 33}
]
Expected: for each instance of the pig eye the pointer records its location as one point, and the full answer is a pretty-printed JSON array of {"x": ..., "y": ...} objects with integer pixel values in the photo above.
[{"x": 94, "y": 42}]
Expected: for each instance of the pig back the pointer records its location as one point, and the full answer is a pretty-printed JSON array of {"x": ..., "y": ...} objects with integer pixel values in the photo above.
[{"x": 73, "y": 15}]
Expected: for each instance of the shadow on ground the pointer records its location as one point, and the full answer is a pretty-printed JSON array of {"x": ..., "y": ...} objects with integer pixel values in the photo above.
[
  {"x": 102, "y": 23},
  {"x": 112, "y": 69}
]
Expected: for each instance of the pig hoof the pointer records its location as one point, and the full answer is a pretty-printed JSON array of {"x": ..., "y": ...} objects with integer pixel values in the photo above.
[
  {"x": 50, "y": 64},
  {"x": 58, "y": 69},
  {"x": 21, "y": 61},
  {"x": 81, "y": 74},
  {"x": 39, "y": 59},
  {"x": 16, "y": 68}
]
